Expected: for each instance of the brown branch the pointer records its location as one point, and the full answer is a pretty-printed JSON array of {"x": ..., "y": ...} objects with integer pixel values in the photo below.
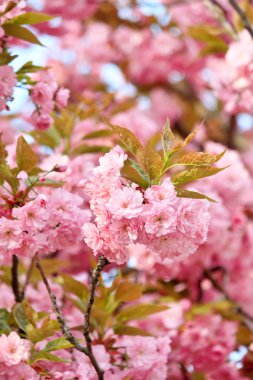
[
  {"x": 14, "y": 279},
  {"x": 221, "y": 289},
  {"x": 27, "y": 279},
  {"x": 102, "y": 262},
  {"x": 63, "y": 325},
  {"x": 242, "y": 15}
]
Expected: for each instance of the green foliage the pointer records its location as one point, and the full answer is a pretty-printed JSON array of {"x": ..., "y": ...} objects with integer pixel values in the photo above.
[
  {"x": 141, "y": 311},
  {"x": 26, "y": 158},
  {"x": 17, "y": 31},
  {"x": 30, "y": 18}
]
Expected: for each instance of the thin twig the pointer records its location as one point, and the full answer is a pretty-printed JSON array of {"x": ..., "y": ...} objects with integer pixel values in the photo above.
[
  {"x": 220, "y": 288},
  {"x": 14, "y": 279},
  {"x": 28, "y": 276},
  {"x": 242, "y": 15},
  {"x": 63, "y": 325},
  {"x": 223, "y": 16},
  {"x": 102, "y": 262}
]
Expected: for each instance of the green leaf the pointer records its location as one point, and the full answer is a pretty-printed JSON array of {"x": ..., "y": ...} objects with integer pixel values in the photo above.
[
  {"x": 4, "y": 326},
  {"x": 47, "y": 329},
  {"x": 127, "y": 137},
  {"x": 129, "y": 330},
  {"x": 21, "y": 33},
  {"x": 6, "y": 58},
  {"x": 134, "y": 173},
  {"x": 98, "y": 134},
  {"x": 199, "y": 158},
  {"x": 20, "y": 317},
  {"x": 150, "y": 161},
  {"x": 30, "y": 18},
  {"x": 3, "y": 151},
  {"x": 139, "y": 312},
  {"x": 26, "y": 158},
  {"x": 182, "y": 193},
  {"x": 29, "y": 67},
  {"x": 57, "y": 344},
  {"x": 71, "y": 285},
  {"x": 85, "y": 148},
  {"x": 194, "y": 173},
  {"x": 50, "y": 137},
  {"x": 43, "y": 355},
  {"x": 127, "y": 292},
  {"x": 11, "y": 5},
  {"x": 168, "y": 138}
]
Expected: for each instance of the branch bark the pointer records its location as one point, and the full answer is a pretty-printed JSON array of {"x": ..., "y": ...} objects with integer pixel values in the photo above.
[
  {"x": 242, "y": 15},
  {"x": 63, "y": 324},
  {"x": 14, "y": 279},
  {"x": 221, "y": 289},
  {"x": 102, "y": 262}
]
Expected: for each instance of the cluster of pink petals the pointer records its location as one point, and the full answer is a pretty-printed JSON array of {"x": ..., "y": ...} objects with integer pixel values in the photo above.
[
  {"x": 44, "y": 225},
  {"x": 125, "y": 214},
  {"x": 232, "y": 77},
  {"x": 46, "y": 95},
  {"x": 13, "y": 349},
  {"x": 7, "y": 82}
]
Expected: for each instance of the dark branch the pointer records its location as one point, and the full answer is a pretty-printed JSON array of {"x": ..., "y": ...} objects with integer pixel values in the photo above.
[
  {"x": 102, "y": 262},
  {"x": 14, "y": 279},
  {"x": 63, "y": 325},
  {"x": 242, "y": 15},
  {"x": 28, "y": 276},
  {"x": 221, "y": 289}
]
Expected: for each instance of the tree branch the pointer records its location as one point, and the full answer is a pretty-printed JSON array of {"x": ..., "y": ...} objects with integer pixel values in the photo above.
[
  {"x": 242, "y": 15},
  {"x": 27, "y": 279},
  {"x": 14, "y": 279},
  {"x": 102, "y": 262},
  {"x": 220, "y": 288},
  {"x": 63, "y": 325}
]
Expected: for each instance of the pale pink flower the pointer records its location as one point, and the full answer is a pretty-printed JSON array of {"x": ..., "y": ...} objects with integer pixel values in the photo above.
[
  {"x": 125, "y": 202},
  {"x": 159, "y": 219},
  {"x": 42, "y": 96},
  {"x": 163, "y": 194},
  {"x": 62, "y": 96},
  {"x": 13, "y": 349},
  {"x": 92, "y": 237},
  {"x": 41, "y": 121}
]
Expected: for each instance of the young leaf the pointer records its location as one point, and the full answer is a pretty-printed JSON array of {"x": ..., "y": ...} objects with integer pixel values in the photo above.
[
  {"x": 21, "y": 33},
  {"x": 48, "y": 328},
  {"x": 20, "y": 316},
  {"x": 57, "y": 344},
  {"x": 128, "y": 138},
  {"x": 44, "y": 355},
  {"x": 168, "y": 138},
  {"x": 139, "y": 311},
  {"x": 73, "y": 286},
  {"x": 26, "y": 158},
  {"x": 182, "y": 193},
  {"x": 150, "y": 161},
  {"x": 194, "y": 173},
  {"x": 199, "y": 158},
  {"x": 85, "y": 148},
  {"x": 127, "y": 292},
  {"x": 98, "y": 134},
  {"x": 129, "y": 330},
  {"x": 29, "y": 67},
  {"x": 30, "y": 18}
]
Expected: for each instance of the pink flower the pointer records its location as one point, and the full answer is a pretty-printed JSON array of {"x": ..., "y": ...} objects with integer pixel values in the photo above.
[
  {"x": 42, "y": 96},
  {"x": 7, "y": 81},
  {"x": 92, "y": 237},
  {"x": 163, "y": 194},
  {"x": 10, "y": 235},
  {"x": 125, "y": 202},
  {"x": 13, "y": 349},
  {"x": 159, "y": 219},
  {"x": 41, "y": 121},
  {"x": 62, "y": 96}
]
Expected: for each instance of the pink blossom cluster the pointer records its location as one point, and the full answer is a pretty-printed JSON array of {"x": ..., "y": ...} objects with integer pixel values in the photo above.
[
  {"x": 7, "y": 82},
  {"x": 125, "y": 214},
  {"x": 44, "y": 225},
  {"x": 232, "y": 77},
  {"x": 13, "y": 349},
  {"x": 46, "y": 95}
]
